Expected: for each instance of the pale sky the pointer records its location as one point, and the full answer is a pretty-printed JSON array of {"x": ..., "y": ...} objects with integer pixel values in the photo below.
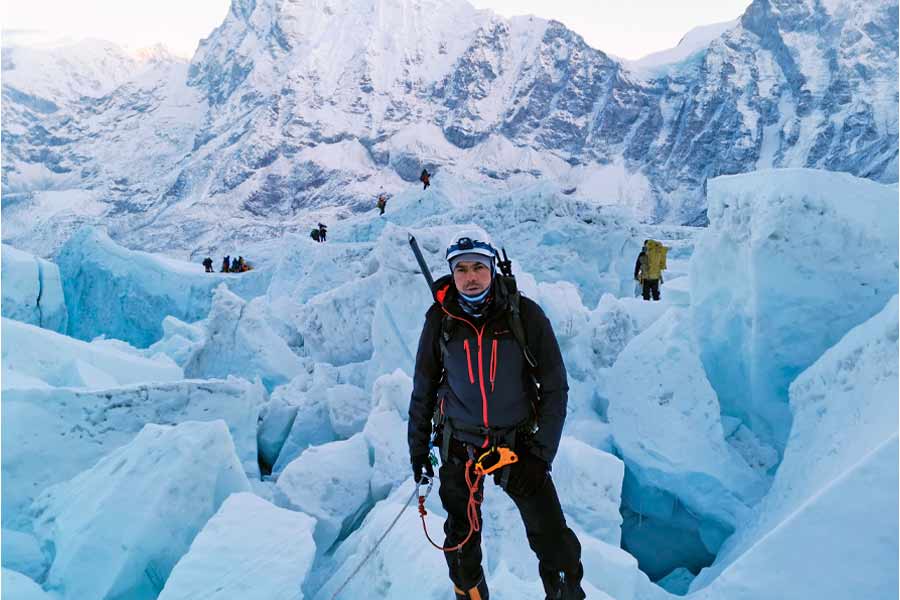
[{"x": 626, "y": 29}]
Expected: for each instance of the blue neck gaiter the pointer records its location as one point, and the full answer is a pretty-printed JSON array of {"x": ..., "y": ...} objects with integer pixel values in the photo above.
[{"x": 475, "y": 305}]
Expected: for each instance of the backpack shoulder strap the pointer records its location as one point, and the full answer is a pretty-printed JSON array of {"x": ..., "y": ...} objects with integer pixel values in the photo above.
[
  {"x": 447, "y": 327},
  {"x": 518, "y": 330},
  {"x": 514, "y": 314}
]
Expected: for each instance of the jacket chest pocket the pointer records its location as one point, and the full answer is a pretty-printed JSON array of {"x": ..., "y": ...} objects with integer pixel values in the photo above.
[
  {"x": 481, "y": 365},
  {"x": 461, "y": 359},
  {"x": 468, "y": 349},
  {"x": 498, "y": 342}
]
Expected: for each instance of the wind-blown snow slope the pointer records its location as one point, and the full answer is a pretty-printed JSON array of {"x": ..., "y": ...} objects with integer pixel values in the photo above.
[{"x": 49, "y": 73}]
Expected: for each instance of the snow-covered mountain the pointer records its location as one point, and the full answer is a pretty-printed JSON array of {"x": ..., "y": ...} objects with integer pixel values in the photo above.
[
  {"x": 150, "y": 408},
  {"x": 63, "y": 75},
  {"x": 291, "y": 111}
]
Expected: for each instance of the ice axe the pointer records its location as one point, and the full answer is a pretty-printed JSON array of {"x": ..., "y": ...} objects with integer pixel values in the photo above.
[{"x": 422, "y": 264}]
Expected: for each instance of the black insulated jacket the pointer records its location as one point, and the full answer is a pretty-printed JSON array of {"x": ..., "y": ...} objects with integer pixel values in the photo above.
[{"x": 486, "y": 381}]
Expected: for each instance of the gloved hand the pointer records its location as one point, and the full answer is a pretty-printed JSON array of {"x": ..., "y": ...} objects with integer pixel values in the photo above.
[
  {"x": 527, "y": 476},
  {"x": 421, "y": 463}
]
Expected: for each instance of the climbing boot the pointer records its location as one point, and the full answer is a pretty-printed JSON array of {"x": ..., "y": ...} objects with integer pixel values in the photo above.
[
  {"x": 479, "y": 592},
  {"x": 562, "y": 586}
]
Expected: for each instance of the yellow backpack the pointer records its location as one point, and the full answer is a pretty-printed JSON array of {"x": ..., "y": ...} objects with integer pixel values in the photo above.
[{"x": 656, "y": 259}]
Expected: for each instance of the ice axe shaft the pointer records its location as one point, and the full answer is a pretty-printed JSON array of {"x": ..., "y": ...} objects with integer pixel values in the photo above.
[
  {"x": 504, "y": 263},
  {"x": 422, "y": 264}
]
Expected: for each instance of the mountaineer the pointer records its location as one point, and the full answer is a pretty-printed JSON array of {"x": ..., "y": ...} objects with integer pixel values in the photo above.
[
  {"x": 648, "y": 268},
  {"x": 490, "y": 375}
]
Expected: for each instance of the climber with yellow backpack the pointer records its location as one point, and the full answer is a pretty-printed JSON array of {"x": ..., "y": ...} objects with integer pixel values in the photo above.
[{"x": 648, "y": 268}]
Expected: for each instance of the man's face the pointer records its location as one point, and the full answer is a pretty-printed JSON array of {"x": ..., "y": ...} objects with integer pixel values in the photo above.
[{"x": 471, "y": 277}]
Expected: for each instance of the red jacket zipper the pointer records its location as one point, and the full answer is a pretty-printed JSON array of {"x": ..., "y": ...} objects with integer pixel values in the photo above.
[
  {"x": 493, "y": 363},
  {"x": 469, "y": 361}
]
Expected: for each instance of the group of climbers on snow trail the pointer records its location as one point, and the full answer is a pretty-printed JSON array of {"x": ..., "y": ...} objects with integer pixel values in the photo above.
[
  {"x": 490, "y": 393},
  {"x": 319, "y": 233},
  {"x": 648, "y": 268},
  {"x": 229, "y": 265},
  {"x": 237, "y": 265}
]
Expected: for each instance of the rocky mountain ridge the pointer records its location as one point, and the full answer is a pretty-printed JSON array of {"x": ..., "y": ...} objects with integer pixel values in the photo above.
[{"x": 291, "y": 110}]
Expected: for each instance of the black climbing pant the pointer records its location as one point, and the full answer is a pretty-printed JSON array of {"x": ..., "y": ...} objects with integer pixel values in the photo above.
[
  {"x": 651, "y": 286},
  {"x": 553, "y": 542}
]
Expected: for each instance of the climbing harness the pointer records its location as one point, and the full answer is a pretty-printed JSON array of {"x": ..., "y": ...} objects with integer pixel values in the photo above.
[{"x": 495, "y": 458}]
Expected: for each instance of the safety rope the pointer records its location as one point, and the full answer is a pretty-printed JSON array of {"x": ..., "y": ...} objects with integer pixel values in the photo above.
[
  {"x": 471, "y": 508},
  {"x": 375, "y": 547},
  {"x": 505, "y": 457}
]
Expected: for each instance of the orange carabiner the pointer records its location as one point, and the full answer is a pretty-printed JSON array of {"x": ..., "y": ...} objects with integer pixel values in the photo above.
[{"x": 505, "y": 456}]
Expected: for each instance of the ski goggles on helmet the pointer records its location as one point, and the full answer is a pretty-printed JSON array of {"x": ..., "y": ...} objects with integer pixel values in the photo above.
[{"x": 466, "y": 245}]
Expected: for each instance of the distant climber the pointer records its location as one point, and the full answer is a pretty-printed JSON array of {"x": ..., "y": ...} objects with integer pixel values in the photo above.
[
  {"x": 382, "y": 203},
  {"x": 648, "y": 268},
  {"x": 425, "y": 178},
  {"x": 314, "y": 234},
  {"x": 323, "y": 232},
  {"x": 226, "y": 264},
  {"x": 207, "y": 262},
  {"x": 235, "y": 266},
  {"x": 242, "y": 266}
]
